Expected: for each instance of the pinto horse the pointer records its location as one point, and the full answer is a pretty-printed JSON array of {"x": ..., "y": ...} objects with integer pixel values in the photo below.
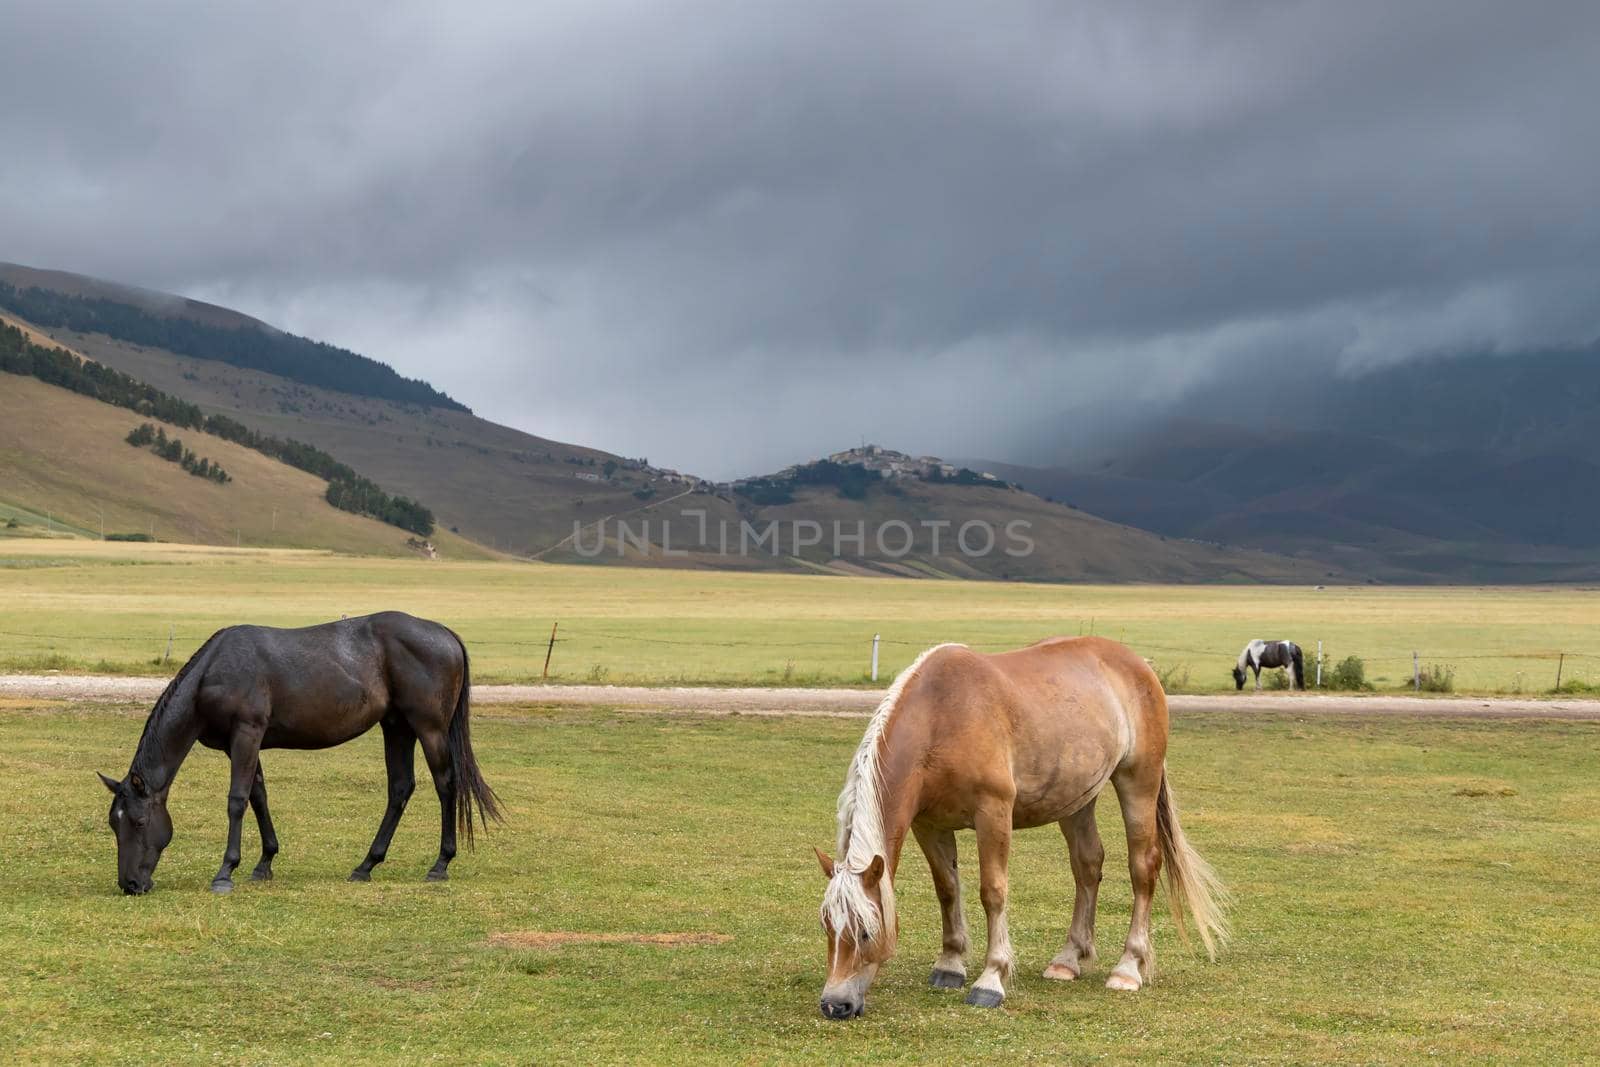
[
  {"x": 1258, "y": 654},
  {"x": 255, "y": 687},
  {"x": 998, "y": 743}
]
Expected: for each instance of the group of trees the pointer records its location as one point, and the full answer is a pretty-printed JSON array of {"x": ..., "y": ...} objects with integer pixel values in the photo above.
[
  {"x": 171, "y": 449},
  {"x": 283, "y": 354},
  {"x": 364, "y": 497},
  {"x": 347, "y": 490}
]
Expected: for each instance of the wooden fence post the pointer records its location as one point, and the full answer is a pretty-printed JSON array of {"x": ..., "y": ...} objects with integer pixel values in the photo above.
[
  {"x": 1319, "y": 664},
  {"x": 545, "y": 677},
  {"x": 1416, "y": 673},
  {"x": 1562, "y": 662},
  {"x": 167, "y": 656},
  {"x": 875, "y": 639}
]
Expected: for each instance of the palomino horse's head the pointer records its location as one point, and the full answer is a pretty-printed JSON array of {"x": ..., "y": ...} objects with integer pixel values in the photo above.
[
  {"x": 143, "y": 828},
  {"x": 1238, "y": 677},
  {"x": 858, "y": 938}
]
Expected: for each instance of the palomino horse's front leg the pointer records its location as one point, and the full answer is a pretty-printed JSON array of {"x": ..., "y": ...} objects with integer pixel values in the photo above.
[
  {"x": 1137, "y": 791},
  {"x": 1087, "y": 854},
  {"x": 243, "y": 752},
  {"x": 269, "y": 836},
  {"x": 993, "y": 823},
  {"x": 950, "y": 969}
]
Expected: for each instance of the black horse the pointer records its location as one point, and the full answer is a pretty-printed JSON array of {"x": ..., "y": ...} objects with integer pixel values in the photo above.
[
  {"x": 1258, "y": 654},
  {"x": 255, "y": 687}
]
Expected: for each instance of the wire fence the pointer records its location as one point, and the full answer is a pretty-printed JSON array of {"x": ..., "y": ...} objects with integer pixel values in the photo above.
[{"x": 1564, "y": 666}]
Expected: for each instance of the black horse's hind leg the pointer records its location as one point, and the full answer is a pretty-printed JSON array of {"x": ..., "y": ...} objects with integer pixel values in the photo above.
[
  {"x": 399, "y": 751},
  {"x": 269, "y": 836},
  {"x": 436, "y": 752},
  {"x": 244, "y": 751}
]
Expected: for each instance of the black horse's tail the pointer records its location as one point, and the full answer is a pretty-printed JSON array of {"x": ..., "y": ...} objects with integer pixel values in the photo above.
[
  {"x": 1299, "y": 667},
  {"x": 471, "y": 789}
]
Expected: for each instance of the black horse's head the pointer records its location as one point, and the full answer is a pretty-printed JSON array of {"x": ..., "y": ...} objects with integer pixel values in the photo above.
[
  {"x": 1238, "y": 677},
  {"x": 139, "y": 819}
]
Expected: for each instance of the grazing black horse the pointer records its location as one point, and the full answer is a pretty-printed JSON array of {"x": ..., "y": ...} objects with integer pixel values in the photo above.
[
  {"x": 255, "y": 687},
  {"x": 1258, "y": 654}
]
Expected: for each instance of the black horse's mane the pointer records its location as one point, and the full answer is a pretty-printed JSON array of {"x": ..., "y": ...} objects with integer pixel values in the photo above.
[{"x": 157, "y": 713}]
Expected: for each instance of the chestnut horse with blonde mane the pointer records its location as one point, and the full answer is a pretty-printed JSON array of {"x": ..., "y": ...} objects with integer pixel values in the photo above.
[{"x": 997, "y": 743}]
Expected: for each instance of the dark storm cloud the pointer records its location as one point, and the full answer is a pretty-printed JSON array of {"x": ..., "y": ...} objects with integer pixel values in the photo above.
[{"x": 729, "y": 236}]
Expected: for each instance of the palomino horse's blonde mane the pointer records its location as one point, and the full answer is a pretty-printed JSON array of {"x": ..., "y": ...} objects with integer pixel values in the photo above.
[{"x": 861, "y": 834}]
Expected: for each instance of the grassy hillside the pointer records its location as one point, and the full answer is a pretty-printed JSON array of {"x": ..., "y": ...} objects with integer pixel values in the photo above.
[
  {"x": 496, "y": 485},
  {"x": 523, "y": 494},
  {"x": 70, "y": 284},
  {"x": 63, "y": 455},
  {"x": 527, "y": 495}
]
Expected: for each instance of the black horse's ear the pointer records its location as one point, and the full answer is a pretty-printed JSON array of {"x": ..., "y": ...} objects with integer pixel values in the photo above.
[
  {"x": 137, "y": 783},
  {"x": 110, "y": 783}
]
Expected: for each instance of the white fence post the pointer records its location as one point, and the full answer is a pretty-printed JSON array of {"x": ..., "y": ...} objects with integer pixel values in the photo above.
[
  {"x": 1416, "y": 673},
  {"x": 875, "y": 639},
  {"x": 1319, "y": 664}
]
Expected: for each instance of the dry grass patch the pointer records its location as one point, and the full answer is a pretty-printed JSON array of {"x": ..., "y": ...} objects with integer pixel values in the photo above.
[{"x": 562, "y": 938}]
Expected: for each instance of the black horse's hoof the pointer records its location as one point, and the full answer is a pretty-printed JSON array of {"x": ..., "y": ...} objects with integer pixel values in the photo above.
[
  {"x": 222, "y": 885},
  {"x": 261, "y": 874},
  {"x": 985, "y": 998},
  {"x": 438, "y": 876},
  {"x": 359, "y": 875},
  {"x": 946, "y": 979}
]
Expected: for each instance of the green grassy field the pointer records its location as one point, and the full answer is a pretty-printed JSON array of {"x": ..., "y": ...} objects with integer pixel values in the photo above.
[
  {"x": 110, "y": 607},
  {"x": 1406, "y": 891}
]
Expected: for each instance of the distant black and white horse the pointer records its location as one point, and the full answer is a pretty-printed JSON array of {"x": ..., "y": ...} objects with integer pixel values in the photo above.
[{"x": 1258, "y": 654}]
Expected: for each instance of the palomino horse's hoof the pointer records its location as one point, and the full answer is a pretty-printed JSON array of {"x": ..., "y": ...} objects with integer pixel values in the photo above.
[
  {"x": 946, "y": 979},
  {"x": 1061, "y": 972},
  {"x": 222, "y": 885},
  {"x": 358, "y": 875},
  {"x": 979, "y": 997},
  {"x": 1120, "y": 979}
]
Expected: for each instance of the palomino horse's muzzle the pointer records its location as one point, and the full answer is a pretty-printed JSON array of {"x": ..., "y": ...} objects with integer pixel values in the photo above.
[{"x": 841, "y": 1009}]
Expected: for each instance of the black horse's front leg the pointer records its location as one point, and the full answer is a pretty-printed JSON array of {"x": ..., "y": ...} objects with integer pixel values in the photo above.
[
  {"x": 269, "y": 836},
  {"x": 244, "y": 753}
]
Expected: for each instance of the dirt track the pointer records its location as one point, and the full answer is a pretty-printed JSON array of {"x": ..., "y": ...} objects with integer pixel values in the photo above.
[{"x": 835, "y": 702}]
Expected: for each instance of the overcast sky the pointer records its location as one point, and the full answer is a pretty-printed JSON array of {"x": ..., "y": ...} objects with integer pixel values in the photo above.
[{"x": 729, "y": 236}]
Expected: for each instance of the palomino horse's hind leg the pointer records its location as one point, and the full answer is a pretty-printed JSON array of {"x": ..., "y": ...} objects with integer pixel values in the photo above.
[
  {"x": 434, "y": 750},
  {"x": 993, "y": 823},
  {"x": 269, "y": 836},
  {"x": 1137, "y": 790},
  {"x": 243, "y": 751},
  {"x": 950, "y": 969},
  {"x": 1088, "y": 854},
  {"x": 399, "y": 752}
]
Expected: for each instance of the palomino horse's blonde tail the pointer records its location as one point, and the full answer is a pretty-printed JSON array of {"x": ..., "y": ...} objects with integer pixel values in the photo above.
[{"x": 1192, "y": 885}]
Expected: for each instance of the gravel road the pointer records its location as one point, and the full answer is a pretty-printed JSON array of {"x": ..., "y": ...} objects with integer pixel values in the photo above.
[{"x": 836, "y": 702}]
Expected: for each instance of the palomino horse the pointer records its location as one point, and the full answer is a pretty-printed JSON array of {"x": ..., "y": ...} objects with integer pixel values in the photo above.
[
  {"x": 997, "y": 743},
  {"x": 1258, "y": 654},
  {"x": 255, "y": 687}
]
